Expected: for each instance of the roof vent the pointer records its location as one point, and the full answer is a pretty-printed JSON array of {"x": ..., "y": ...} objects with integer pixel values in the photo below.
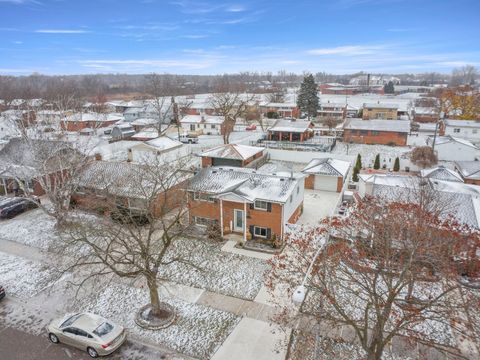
[
  {"x": 214, "y": 171},
  {"x": 282, "y": 179}
]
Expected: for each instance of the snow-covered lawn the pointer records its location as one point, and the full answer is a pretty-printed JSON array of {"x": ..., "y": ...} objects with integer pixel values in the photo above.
[
  {"x": 221, "y": 272},
  {"x": 23, "y": 278},
  {"x": 368, "y": 152},
  {"x": 33, "y": 228},
  {"x": 197, "y": 331}
]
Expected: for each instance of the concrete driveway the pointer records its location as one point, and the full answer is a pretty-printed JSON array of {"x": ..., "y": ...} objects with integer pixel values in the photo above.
[{"x": 317, "y": 205}]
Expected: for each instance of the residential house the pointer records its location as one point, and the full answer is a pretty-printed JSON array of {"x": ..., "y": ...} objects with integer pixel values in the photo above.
[
  {"x": 233, "y": 155},
  {"x": 203, "y": 124},
  {"x": 469, "y": 171},
  {"x": 441, "y": 173},
  {"x": 25, "y": 165},
  {"x": 161, "y": 149},
  {"x": 244, "y": 202},
  {"x": 79, "y": 121},
  {"x": 326, "y": 174},
  {"x": 291, "y": 130},
  {"x": 122, "y": 131},
  {"x": 337, "y": 111},
  {"x": 465, "y": 129},
  {"x": 383, "y": 132},
  {"x": 449, "y": 148},
  {"x": 425, "y": 114},
  {"x": 145, "y": 134},
  {"x": 104, "y": 185},
  {"x": 380, "y": 111},
  {"x": 142, "y": 123},
  {"x": 283, "y": 110},
  {"x": 462, "y": 201}
]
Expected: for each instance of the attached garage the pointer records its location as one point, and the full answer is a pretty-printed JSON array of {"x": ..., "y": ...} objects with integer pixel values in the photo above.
[{"x": 326, "y": 174}]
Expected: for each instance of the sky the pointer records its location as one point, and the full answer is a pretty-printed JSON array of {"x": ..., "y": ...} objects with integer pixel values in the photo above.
[{"x": 212, "y": 37}]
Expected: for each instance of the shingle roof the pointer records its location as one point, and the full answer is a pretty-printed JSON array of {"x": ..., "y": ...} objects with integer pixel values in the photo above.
[
  {"x": 441, "y": 173},
  {"x": 401, "y": 126},
  {"x": 233, "y": 151},
  {"x": 327, "y": 166},
  {"x": 290, "y": 125},
  {"x": 469, "y": 169},
  {"x": 245, "y": 183},
  {"x": 380, "y": 105}
]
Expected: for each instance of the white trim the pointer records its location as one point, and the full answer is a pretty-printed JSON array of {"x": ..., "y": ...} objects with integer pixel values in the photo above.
[
  {"x": 221, "y": 217},
  {"x": 260, "y": 208},
  {"x": 260, "y": 227}
]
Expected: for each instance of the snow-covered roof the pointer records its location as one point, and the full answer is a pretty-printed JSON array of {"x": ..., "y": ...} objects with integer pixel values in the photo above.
[
  {"x": 462, "y": 201},
  {"x": 462, "y": 123},
  {"x": 204, "y": 119},
  {"x": 94, "y": 117},
  {"x": 283, "y": 125},
  {"x": 117, "y": 150},
  {"x": 380, "y": 105},
  {"x": 246, "y": 183},
  {"x": 233, "y": 151},
  {"x": 146, "y": 133},
  {"x": 469, "y": 169},
  {"x": 441, "y": 173},
  {"x": 441, "y": 140},
  {"x": 419, "y": 110},
  {"x": 164, "y": 143},
  {"x": 327, "y": 166},
  {"x": 401, "y": 126},
  {"x": 144, "y": 121}
]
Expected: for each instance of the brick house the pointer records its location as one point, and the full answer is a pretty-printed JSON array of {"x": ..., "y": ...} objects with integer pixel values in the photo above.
[
  {"x": 244, "y": 202},
  {"x": 337, "y": 111},
  {"x": 80, "y": 121},
  {"x": 380, "y": 111},
  {"x": 469, "y": 171},
  {"x": 326, "y": 174},
  {"x": 107, "y": 184},
  {"x": 383, "y": 132},
  {"x": 284, "y": 110},
  {"x": 425, "y": 114},
  {"x": 20, "y": 166},
  {"x": 291, "y": 130},
  {"x": 232, "y": 155}
]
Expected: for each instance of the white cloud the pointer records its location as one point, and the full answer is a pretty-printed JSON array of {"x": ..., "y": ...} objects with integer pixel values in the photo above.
[
  {"x": 61, "y": 31},
  {"x": 235, "y": 8},
  {"x": 20, "y": 2},
  {"x": 194, "y": 36},
  {"x": 346, "y": 50}
]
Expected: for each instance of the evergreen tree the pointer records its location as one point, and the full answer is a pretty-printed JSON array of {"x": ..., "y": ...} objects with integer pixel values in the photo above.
[
  {"x": 358, "y": 164},
  {"x": 376, "y": 165},
  {"x": 389, "y": 88},
  {"x": 396, "y": 165},
  {"x": 355, "y": 174},
  {"x": 307, "y": 100}
]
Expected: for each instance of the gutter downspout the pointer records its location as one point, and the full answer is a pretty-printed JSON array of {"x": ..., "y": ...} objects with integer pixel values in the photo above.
[
  {"x": 221, "y": 217},
  {"x": 245, "y": 222}
]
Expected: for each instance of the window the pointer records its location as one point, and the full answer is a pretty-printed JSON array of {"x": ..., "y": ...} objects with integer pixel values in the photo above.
[
  {"x": 212, "y": 126},
  {"x": 202, "y": 221},
  {"x": 456, "y": 130},
  {"x": 103, "y": 329},
  {"x": 298, "y": 189},
  {"x": 192, "y": 127},
  {"x": 70, "y": 320},
  {"x": 84, "y": 334},
  {"x": 261, "y": 205},
  {"x": 291, "y": 197},
  {"x": 260, "y": 231},
  {"x": 374, "y": 132},
  {"x": 474, "y": 131},
  {"x": 202, "y": 197},
  {"x": 138, "y": 204},
  {"x": 363, "y": 132}
]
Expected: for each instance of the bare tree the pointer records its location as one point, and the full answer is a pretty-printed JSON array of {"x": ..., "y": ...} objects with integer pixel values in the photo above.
[
  {"x": 388, "y": 270},
  {"x": 465, "y": 75},
  {"x": 145, "y": 216},
  {"x": 330, "y": 122},
  {"x": 423, "y": 156},
  {"x": 160, "y": 89},
  {"x": 231, "y": 105}
]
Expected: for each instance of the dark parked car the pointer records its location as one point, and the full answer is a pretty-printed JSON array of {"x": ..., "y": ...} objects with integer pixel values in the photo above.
[
  {"x": 12, "y": 206},
  {"x": 2, "y": 292}
]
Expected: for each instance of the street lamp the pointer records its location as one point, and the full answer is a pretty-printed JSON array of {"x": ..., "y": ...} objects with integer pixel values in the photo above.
[{"x": 298, "y": 296}]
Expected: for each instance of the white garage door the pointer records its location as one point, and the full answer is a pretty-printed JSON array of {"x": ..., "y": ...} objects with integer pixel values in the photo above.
[{"x": 328, "y": 183}]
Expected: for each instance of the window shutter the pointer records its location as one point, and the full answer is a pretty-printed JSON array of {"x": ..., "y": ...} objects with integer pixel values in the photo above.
[
  {"x": 269, "y": 207},
  {"x": 269, "y": 234},
  {"x": 251, "y": 231},
  {"x": 252, "y": 206}
]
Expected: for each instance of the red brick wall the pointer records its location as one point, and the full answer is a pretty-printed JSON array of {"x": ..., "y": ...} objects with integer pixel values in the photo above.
[
  {"x": 206, "y": 161},
  {"x": 383, "y": 138},
  {"x": 471, "y": 181},
  {"x": 79, "y": 125},
  {"x": 296, "y": 214},
  {"x": 309, "y": 181},
  {"x": 339, "y": 183},
  {"x": 272, "y": 219},
  {"x": 425, "y": 118}
]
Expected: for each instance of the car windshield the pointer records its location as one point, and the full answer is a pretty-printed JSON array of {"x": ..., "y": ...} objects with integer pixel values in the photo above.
[
  {"x": 70, "y": 320},
  {"x": 103, "y": 329}
]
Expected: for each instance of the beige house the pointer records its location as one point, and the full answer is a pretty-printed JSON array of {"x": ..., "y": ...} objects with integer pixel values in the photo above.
[{"x": 372, "y": 111}]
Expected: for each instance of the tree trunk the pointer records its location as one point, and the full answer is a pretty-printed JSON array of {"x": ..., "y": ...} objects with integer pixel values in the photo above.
[{"x": 154, "y": 298}]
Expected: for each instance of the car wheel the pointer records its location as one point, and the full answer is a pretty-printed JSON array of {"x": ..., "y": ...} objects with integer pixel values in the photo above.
[
  {"x": 92, "y": 352},
  {"x": 53, "y": 338}
]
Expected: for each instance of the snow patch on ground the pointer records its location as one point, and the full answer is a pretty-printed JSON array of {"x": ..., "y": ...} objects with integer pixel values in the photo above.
[
  {"x": 197, "y": 331},
  {"x": 23, "y": 278}
]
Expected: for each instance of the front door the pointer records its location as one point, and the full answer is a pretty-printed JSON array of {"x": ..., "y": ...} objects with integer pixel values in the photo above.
[{"x": 238, "y": 220}]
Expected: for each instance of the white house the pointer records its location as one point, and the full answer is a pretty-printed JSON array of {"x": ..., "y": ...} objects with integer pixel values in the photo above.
[
  {"x": 326, "y": 174},
  {"x": 162, "y": 148},
  {"x": 449, "y": 148},
  {"x": 205, "y": 124},
  {"x": 465, "y": 129}
]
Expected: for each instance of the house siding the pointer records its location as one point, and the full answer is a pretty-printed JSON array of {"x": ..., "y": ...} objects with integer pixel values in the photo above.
[{"x": 380, "y": 138}]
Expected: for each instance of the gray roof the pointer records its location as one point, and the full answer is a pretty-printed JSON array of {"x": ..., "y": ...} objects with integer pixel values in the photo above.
[
  {"x": 441, "y": 173},
  {"x": 463, "y": 123},
  {"x": 401, "y": 126},
  {"x": 299, "y": 126},
  {"x": 380, "y": 105},
  {"x": 246, "y": 183},
  {"x": 327, "y": 166},
  {"x": 469, "y": 169}
]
